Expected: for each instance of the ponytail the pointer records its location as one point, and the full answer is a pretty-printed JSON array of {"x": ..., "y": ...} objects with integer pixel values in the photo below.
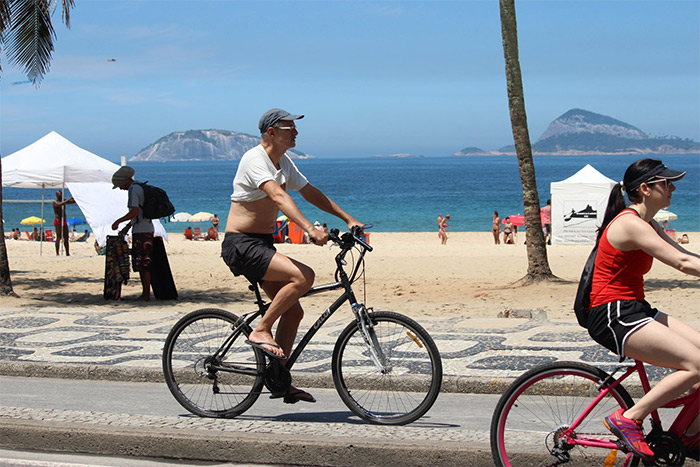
[
  {"x": 636, "y": 174},
  {"x": 616, "y": 203}
]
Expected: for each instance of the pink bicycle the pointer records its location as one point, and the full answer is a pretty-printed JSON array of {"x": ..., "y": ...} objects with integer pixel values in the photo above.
[{"x": 553, "y": 415}]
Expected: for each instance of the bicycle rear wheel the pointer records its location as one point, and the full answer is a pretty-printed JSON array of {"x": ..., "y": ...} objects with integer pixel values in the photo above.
[
  {"x": 409, "y": 383},
  {"x": 527, "y": 425},
  {"x": 205, "y": 385}
]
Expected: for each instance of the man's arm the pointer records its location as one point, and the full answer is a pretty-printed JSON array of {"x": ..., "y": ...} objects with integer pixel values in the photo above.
[
  {"x": 286, "y": 204},
  {"x": 316, "y": 197},
  {"x": 70, "y": 200},
  {"x": 133, "y": 212}
]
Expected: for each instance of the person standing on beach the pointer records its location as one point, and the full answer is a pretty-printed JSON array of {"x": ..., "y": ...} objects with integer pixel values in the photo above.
[
  {"x": 508, "y": 229},
  {"x": 496, "y": 228},
  {"x": 546, "y": 214},
  {"x": 442, "y": 231},
  {"x": 142, "y": 233},
  {"x": 60, "y": 221},
  {"x": 260, "y": 185}
]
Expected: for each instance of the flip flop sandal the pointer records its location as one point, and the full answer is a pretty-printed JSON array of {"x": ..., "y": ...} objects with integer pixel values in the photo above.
[{"x": 259, "y": 345}]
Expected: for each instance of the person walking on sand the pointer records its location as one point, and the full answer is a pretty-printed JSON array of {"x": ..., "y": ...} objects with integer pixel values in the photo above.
[
  {"x": 142, "y": 233},
  {"x": 496, "y": 228},
  {"x": 260, "y": 185},
  {"x": 621, "y": 320},
  {"x": 442, "y": 232},
  {"x": 60, "y": 222}
]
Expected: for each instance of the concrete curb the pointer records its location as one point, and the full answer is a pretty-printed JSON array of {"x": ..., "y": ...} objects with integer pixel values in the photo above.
[
  {"x": 450, "y": 383},
  {"x": 220, "y": 446}
]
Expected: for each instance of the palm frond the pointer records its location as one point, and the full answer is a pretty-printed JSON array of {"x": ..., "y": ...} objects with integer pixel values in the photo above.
[
  {"x": 4, "y": 16},
  {"x": 30, "y": 37},
  {"x": 67, "y": 5}
]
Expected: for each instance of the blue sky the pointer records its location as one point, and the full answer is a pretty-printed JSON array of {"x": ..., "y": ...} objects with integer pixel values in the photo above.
[{"x": 372, "y": 77}]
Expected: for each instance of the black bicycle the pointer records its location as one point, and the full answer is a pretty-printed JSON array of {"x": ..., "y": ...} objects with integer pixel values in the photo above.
[{"x": 386, "y": 367}]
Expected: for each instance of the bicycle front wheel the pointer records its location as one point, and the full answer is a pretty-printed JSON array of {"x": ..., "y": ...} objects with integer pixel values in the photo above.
[
  {"x": 528, "y": 424},
  {"x": 402, "y": 389},
  {"x": 205, "y": 378}
]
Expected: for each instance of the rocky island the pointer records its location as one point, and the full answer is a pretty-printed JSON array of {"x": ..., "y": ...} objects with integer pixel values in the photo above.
[
  {"x": 579, "y": 132},
  {"x": 203, "y": 145}
]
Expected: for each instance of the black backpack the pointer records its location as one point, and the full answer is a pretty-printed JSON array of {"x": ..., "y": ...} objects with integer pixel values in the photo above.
[
  {"x": 156, "y": 203},
  {"x": 582, "y": 302}
]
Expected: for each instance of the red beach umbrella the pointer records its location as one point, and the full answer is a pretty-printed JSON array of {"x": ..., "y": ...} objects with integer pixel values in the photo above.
[{"x": 516, "y": 219}]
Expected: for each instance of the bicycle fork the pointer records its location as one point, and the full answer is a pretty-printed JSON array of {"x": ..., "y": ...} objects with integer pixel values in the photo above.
[{"x": 366, "y": 328}]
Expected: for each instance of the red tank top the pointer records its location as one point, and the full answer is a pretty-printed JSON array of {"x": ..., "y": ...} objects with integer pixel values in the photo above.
[{"x": 618, "y": 275}]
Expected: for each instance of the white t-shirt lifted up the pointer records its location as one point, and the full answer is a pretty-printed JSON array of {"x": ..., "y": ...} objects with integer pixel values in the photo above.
[{"x": 256, "y": 168}]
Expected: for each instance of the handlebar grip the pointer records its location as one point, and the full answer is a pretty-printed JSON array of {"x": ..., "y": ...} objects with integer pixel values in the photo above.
[{"x": 360, "y": 240}]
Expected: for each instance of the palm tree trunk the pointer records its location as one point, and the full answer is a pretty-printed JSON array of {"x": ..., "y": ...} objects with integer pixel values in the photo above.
[
  {"x": 5, "y": 280},
  {"x": 538, "y": 265}
]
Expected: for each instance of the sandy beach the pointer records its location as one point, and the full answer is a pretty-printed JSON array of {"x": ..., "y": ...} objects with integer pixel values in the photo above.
[{"x": 407, "y": 272}]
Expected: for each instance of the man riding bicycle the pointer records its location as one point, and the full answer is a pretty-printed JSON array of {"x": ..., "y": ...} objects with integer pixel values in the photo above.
[{"x": 264, "y": 174}]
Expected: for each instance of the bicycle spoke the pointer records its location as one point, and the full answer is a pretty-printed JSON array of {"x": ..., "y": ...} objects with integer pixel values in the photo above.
[
  {"x": 400, "y": 391},
  {"x": 530, "y": 421},
  {"x": 204, "y": 382}
]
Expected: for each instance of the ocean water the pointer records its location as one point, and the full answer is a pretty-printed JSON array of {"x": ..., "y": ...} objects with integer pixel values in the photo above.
[{"x": 394, "y": 194}]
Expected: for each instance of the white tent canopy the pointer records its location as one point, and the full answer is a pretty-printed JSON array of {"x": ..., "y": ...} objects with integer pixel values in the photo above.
[
  {"x": 578, "y": 206},
  {"x": 55, "y": 162}
]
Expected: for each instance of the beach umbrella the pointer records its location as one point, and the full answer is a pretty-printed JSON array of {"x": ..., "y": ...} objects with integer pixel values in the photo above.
[
  {"x": 75, "y": 221},
  {"x": 201, "y": 217},
  {"x": 665, "y": 215},
  {"x": 181, "y": 217},
  {"x": 516, "y": 219},
  {"x": 33, "y": 220}
]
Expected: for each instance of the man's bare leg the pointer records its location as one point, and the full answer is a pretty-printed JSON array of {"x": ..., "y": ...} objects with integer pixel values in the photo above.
[
  {"x": 145, "y": 285},
  {"x": 285, "y": 335},
  {"x": 58, "y": 241},
  {"x": 285, "y": 281},
  {"x": 66, "y": 239}
]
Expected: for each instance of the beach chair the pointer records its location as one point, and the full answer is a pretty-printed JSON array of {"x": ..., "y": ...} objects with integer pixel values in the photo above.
[
  {"x": 211, "y": 234},
  {"x": 29, "y": 235},
  {"x": 672, "y": 234},
  {"x": 198, "y": 235},
  {"x": 188, "y": 234},
  {"x": 49, "y": 235}
]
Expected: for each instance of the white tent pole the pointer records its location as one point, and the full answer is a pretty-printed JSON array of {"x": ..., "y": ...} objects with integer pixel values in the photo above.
[{"x": 41, "y": 235}]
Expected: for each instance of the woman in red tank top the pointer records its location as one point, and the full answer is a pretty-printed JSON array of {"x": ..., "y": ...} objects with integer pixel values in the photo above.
[{"x": 620, "y": 319}]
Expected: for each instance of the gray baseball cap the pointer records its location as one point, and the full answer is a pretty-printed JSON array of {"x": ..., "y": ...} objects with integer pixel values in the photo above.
[{"x": 273, "y": 116}]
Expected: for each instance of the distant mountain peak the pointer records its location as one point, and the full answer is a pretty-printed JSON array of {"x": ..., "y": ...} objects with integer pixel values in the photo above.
[
  {"x": 580, "y": 131},
  {"x": 203, "y": 145},
  {"x": 582, "y": 121}
]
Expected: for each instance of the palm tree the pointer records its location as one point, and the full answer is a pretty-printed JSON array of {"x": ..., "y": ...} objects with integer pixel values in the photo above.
[
  {"x": 27, "y": 34},
  {"x": 538, "y": 265}
]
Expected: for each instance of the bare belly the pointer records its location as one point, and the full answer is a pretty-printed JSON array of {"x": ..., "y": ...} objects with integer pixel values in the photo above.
[{"x": 256, "y": 217}]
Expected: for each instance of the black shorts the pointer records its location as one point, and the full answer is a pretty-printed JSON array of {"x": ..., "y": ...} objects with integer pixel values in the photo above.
[
  {"x": 612, "y": 323},
  {"x": 248, "y": 254}
]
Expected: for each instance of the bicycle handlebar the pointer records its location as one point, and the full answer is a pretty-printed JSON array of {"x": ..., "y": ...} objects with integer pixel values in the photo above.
[{"x": 349, "y": 239}]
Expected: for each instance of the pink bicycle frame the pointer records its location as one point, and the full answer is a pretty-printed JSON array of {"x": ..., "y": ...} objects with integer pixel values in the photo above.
[{"x": 691, "y": 403}]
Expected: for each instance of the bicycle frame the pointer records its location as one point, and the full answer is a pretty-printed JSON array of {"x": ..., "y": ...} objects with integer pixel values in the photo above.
[
  {"x": 348, "y": 295},
  {"x": 690, "y": 403}
]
